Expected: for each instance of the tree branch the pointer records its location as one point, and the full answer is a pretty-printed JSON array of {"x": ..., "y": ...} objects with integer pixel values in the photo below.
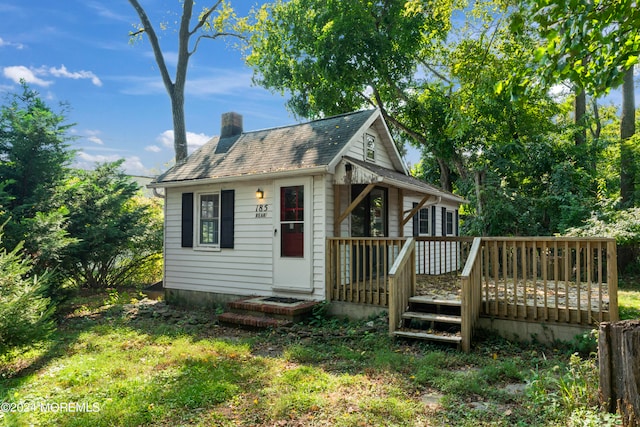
[
  {"x": 203, "y": 19},
  {"x": 155, "y": 44},
  {"x": 213, "y": 37},
  {"x": 436, "y": 72}
]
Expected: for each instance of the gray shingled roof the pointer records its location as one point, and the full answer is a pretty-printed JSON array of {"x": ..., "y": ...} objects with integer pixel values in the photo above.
[{"x": 300, "y": 146}]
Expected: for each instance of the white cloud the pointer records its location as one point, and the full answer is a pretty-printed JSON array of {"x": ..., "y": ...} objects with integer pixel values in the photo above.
[
  {"x": 4, "y": 43},
  {"x": 33, "y": 75},
  {"x": 29, "y": 75},
  {"x": 153, "y": 148},
  {"x": 223, "y": 82},
  {"x": 217, "y": 82},
  {"x": 132, "y": 165},
  {"x": 105, "y": 12},
  {"x": 63, "y": 72},
  {"x": 194, "y": 140},
  {"x": 93, "y": 136}
]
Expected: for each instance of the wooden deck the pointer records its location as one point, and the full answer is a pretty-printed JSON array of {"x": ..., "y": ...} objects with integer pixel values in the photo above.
[
  {"x": 532, "y": 279},
  {"x": 561, "y": 302}
]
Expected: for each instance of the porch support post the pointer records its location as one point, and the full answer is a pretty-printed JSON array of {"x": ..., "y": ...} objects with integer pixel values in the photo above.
[
  {"x": 355, "y": 203},
  {"x": 401, "y": 211},
  {"x": 415, "y": 210},
  {"x": 337, "y": 190}
]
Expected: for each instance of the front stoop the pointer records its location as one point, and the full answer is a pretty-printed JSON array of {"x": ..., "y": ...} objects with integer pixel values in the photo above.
[{"x": 266, "y": 312}]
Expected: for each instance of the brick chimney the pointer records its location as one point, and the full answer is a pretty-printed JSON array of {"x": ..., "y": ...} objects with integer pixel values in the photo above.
[{"x": 230, "y": 125}]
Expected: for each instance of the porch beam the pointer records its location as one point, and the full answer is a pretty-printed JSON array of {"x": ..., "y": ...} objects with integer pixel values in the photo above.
[
  {"x": 355, "y": 203},
  {"x": 415, "y": 210}
]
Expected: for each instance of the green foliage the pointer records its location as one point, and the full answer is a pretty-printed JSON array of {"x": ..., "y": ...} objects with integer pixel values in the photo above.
[
  {"x": 25, "y": 314},
  {"x": 572, "y": 393},
  {"x": 589, "y": 43},
  {"x": 34, "y": 155},
  {"x": 309, "y": 48},
  {"x": 118, "y": 235}
]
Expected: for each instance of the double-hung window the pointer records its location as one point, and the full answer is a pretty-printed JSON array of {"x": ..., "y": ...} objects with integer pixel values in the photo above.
[
  {"x": 449, "y": 223},
  {"x": 423, "y": 222},
  {"x": 209, "y": 220}
]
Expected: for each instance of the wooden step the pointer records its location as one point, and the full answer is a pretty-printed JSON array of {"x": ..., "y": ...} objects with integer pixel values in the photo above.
[
  {"x": 432, "y": 317},
  {"x": 455, "y": 339},
  {"x": 427, "y": 300},
  {"x": 252, "y": 321}
]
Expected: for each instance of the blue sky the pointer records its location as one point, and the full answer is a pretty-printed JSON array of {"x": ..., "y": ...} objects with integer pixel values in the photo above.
[{"x": 79, "y": 52}]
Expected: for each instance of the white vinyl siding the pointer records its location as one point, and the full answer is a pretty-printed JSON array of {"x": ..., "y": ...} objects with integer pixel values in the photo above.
[
  {"x": 428, "y": 254},
  {"x": 244, "y": 270},
  {"x": 247, "y": 269},
  {"x": 358, "y": 149}
]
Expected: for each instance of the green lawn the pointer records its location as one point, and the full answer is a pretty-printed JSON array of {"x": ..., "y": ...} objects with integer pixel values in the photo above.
[{"x": 148, "y": 364}]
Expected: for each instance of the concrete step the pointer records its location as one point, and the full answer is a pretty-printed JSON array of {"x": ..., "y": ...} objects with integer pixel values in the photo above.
[
  {"x": 432, "y": 317},
  {"x": 428, "y": 300},
  {"x": 252, "y": 321},
  {"x": 418, "y": 335}
]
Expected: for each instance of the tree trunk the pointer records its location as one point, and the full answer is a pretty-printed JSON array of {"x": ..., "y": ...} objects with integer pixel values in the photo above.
[
  {"x": 479, "y": 183},
  {"x": 580, "y": 113},
  {"x": 179, "y": 127},
  {"x": 627, "y": 130},
  {"x": 445, "y": 175},
  {"x": 619, "y": 362}
]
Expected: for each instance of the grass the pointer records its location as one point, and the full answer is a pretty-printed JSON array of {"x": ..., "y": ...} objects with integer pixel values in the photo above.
[
  {"x": 125, "y": 364},
  {"x": 629, "y": 297}
]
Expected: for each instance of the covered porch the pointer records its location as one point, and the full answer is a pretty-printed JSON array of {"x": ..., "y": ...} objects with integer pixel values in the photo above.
[{"x": 549, "y": 280}]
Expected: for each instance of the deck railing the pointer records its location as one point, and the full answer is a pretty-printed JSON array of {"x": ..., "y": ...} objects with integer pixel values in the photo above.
[
  {"x": 539, "y": 279},
  {"x": 471, "y": 296},
  {"x": 358, "y": 268},
  {"x": 402, "y": 283},
  {"x": 566, "y": 280},
  {"x": 442, "y": 255}
]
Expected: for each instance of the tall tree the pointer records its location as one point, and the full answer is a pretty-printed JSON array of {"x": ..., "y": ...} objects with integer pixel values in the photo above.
[
  {"x": 627, "y": 150},
  {"x": 34, "y": 151},
  {"x": 212, "y": 22},
  {"x": 594, "y": 44},
  {"x": 34, "y": 161},
  {"x": 336, "y": 56}
]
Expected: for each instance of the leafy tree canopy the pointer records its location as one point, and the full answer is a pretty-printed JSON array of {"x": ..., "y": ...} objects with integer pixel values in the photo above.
[{"x": 591, "y": 43}]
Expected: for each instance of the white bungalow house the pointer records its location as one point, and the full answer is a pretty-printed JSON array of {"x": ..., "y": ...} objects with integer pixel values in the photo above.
[{"x": 250, "y": 213}]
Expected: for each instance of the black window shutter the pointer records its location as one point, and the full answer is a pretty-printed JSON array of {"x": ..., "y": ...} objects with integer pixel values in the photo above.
[
  {"x": 456, "y": 223},
  {"x": 227, "y": 207},
  {"x": 444, "y": 221},
  {"x": 416, "y": 224},
  {"x": 433, "y": 220},
  {"x": 187, "y": 220}
]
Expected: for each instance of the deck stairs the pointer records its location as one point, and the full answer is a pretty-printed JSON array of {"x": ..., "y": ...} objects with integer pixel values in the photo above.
[{"x": 431, "y": 319}]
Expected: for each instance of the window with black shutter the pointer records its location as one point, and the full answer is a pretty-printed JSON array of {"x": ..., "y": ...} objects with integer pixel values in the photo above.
[{"x": 208, "y": 219}]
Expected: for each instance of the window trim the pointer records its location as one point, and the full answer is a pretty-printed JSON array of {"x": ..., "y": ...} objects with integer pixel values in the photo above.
[
  {"x": 197, "y": 245},
  {"x": 453, "y": 227},
  {"x": 426, "y": 220},
  {"x": 372, "y": 158}
]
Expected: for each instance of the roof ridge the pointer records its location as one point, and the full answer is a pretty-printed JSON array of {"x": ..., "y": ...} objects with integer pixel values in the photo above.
[{"x": 352, "y": 113}]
